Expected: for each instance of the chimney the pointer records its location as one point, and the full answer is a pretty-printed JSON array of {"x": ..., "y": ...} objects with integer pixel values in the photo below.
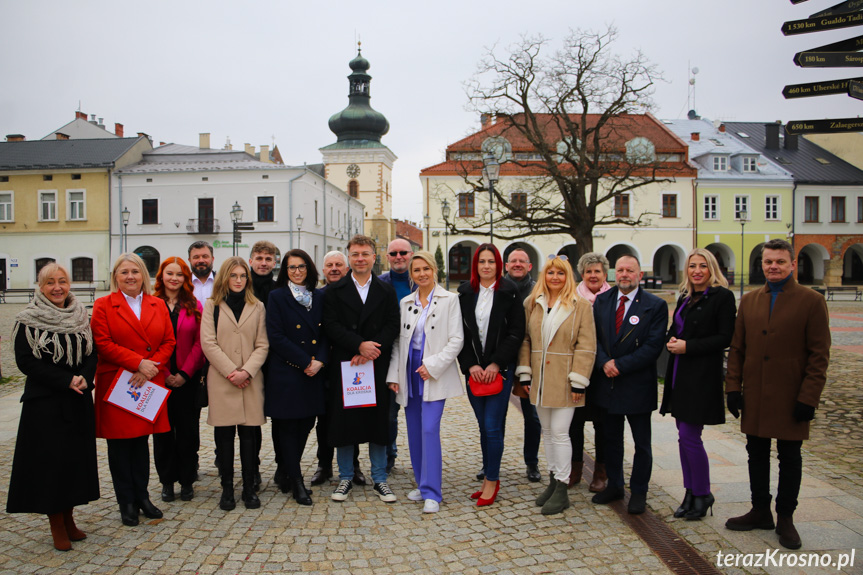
[
  {"x": 485, "y": 120},
  {"x": 228, "y": 145},
  {"x": 118, "y": 129},
  {"x": 61, "y": 136},
  {"x": 143, "y": 135},
  {"x": 15, "y": 137},
  {"x": 80, "y": 116},
  {"x": 771, "y": 140},
  {"x": 696, "y": 136},
  {"x": 265, "y": 154},
  {"x": 249, "y": 149},
  {"x": 93, "y": 120},
  {"x": 101, "y": 123},
  {"x": 204, "y": 140},
  {"x": 721, "y": 128},
  {"x": 161, "y": 143},
  {"x": 791, "y": 141}
]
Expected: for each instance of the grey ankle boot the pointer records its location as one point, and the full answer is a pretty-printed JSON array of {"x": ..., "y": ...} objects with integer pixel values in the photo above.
[
  {"x": 543, "y": 497},
  {"x": 558, "y": 501}
]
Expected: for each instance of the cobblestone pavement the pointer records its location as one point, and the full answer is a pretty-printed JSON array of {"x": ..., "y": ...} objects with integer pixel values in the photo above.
[{"x": 365, "y": 535}]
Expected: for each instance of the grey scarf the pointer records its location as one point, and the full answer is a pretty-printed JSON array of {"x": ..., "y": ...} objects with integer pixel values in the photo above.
[{"x": 45, "y": 324}]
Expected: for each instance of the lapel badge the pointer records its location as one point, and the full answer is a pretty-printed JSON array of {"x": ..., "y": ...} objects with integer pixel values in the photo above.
[{"x": 634, "y": 320}]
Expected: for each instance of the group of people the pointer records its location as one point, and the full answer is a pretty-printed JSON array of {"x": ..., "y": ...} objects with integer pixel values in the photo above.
[{"x": 250, "y": 346}]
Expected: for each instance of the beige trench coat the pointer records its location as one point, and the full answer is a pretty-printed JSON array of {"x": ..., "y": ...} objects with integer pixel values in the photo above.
[
  {"x": 567, "y": 360},
  {"x": 778, "y": 359},
  {"x": 238, "y": 345}
]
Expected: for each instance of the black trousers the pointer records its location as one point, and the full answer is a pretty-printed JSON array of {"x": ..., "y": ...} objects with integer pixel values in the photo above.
[
  {"x": 129, "y": 462},
  {"x": 642, "y": 463},
  {"x": 790, "y": 472},
  {"x": 576, "y": 432},
  {"x": 176, "y": 452},
  {"x": 293, "y": 434}
]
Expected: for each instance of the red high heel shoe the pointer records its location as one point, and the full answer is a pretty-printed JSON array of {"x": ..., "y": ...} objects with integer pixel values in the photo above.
[
  {"x": 476, "y": 495},
  {"x": 480, "y": 502}
]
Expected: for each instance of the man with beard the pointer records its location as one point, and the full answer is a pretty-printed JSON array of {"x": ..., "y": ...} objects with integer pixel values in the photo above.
[
  {"x": 201, "y": 262},
  {"x": 399, "y": 254},
  {"x": 335, "y": 268}
]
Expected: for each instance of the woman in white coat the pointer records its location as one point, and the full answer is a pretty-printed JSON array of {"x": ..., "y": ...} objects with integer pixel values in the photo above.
[{"x": 423, "y": 372}]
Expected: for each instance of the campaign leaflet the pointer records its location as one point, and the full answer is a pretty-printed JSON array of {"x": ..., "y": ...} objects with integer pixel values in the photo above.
[
  {"x": 358, "y": 385},
  {"x": 146, "y": 401}
]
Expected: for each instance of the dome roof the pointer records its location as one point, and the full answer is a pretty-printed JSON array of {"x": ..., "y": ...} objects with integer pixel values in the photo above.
[{"x": 359, "y": 121}]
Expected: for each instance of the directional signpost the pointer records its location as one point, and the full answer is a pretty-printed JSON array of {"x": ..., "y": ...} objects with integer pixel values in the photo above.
[{"x": 239, "y": 228}]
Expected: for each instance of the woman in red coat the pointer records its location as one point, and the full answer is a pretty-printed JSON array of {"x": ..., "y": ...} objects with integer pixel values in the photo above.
[{"x": 132, "y": 331}]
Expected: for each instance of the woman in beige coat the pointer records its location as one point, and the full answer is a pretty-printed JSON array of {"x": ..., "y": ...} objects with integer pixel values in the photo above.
[
  {"x": 554, "y": 365},
  {"x": 234, "y": 339}
]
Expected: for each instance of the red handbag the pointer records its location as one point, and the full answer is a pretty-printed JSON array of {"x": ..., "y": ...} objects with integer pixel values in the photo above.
[{"x": 480, "y": 389}]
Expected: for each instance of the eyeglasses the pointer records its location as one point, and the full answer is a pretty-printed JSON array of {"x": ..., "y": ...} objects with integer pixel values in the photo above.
[
  {"x": 239, "y": 277},
  {"x": 399, "y": 253},
  {"x": 301, "y": 267},
  {"x": 561, "y": 256}
]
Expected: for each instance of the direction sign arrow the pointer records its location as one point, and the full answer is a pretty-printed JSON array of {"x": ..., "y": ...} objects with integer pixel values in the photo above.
[
  {"x": 824, "y": 126},
  {"x": 855, "y": 88},
  {"x": 245, "y": 226},
  {"x": 798, "y": 1},
  {"x": 849, "y": 45},
  {"x": 808, "y": 25},
  {"x": 841, "y": 8},
  {"x": 825, "y": 88},
  {"x": 830, "y": 59}
]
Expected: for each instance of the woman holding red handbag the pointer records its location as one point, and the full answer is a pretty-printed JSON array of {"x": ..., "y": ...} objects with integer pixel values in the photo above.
[
  {"x": 423, "y": 373},
  {"x": 554, "y": 365},
  {"x": 493, "y": 320}
]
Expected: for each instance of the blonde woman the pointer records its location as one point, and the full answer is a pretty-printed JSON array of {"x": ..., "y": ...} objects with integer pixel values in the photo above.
[
  {"x": 702, "y": 327},
  {"x": 554, "y": 364},
  {"x": 234, "y": 339}
]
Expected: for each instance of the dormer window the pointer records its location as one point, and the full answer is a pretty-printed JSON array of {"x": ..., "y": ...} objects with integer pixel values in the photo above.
[
  {"x": 640, "y": 151},
  {"x": 499, "y": 146},
  {"x": 750, "y": 165},
  {"x": 720, "y": 163}
]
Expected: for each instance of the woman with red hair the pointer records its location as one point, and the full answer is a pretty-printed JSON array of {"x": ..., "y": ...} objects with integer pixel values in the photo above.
[
  {"x": 493, "y": 318},
  {"x": 176, "y": 451}
]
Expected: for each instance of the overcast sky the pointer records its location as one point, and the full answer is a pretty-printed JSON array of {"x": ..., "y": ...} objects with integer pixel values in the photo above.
[{"x": 252, "y": 71}]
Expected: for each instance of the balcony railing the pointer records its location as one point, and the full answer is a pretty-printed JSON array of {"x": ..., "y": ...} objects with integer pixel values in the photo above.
[{"x": 198, "y": 226}]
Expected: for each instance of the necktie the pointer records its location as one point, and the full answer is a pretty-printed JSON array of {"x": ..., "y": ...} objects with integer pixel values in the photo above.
[{"x": 621, "y": 311}]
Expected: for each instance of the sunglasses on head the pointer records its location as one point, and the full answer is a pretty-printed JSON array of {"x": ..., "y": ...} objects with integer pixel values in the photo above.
[
  {"x": 399, "y": 253},
  {"x": 561, "y": 256}
]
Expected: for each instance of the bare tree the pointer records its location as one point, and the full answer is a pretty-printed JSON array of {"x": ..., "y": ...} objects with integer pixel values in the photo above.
[{"x": 579, "y": 109}]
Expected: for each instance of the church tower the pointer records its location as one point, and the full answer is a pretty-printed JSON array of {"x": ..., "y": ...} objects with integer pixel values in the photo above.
[{"x": 358, "y": 162}]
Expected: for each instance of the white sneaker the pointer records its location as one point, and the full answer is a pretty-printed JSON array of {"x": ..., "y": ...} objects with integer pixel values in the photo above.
[
  {"x": 341, "y": 492},
  {"x": 431, "y": 506},
  {"x": 415, "y": 495}
]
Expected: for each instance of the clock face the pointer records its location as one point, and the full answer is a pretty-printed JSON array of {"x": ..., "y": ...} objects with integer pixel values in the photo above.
[{"x": 353, "y": 171}]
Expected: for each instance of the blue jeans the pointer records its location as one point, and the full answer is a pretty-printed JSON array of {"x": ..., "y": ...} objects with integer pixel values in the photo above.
[
  {"x": 377, "y": 457},
  {"x": 490, "y": 411}
]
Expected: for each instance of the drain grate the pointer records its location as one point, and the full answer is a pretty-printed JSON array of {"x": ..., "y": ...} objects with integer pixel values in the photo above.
[{"x": 672, "y": 549}]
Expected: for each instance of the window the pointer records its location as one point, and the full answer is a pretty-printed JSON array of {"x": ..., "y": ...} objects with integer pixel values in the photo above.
[
  {"x": 354, "y": 189},
  {"x": 316, "y": 212},
  {"x": 47, "y": 205},
  {"x": 720, "y": 164},
  {"x": 76, "y": 176},
  {"x": 75, "y": 209},
  {"x": 519, "y": 202},
  {"x": 41, "y": 263},
  {"x": 465, "y": 205},
  {"x": 837, "y": 209},
  {"x": 750, "y": 165},
  {"x": 640, "y": 151},
  {"x": 47, "y": 178},
  {"x": 4, "y": 178},
  {"x": 621, "y": 206},
  {"x": 711, "y": 207},
  {"x": 151, "y": 258},
  {"x": 6, "y": 214},
  {"x": 860, "y": 209},
  {"x": 266, "y": 209},
  {"x": 669, "y": 205},
  {"x": 265, "y": 177},
  {"x": 810, "y": 209},
  {"x": 741, "y": 204},
  {"x": 771, "y": 208},
  {"x": 150, "y": 211},
  {"x": 82, "y": 269}
]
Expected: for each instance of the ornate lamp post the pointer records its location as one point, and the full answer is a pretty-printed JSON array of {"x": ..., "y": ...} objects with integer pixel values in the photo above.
[
  {"x": 125, "y": 244},
  {"x": 742, "y": 214},
  {"x": 236, "y": 216},
  {"x": 299, "y": 230},
  {"x": 445, "y": 211},
  {"x": 491, "y": 173}
]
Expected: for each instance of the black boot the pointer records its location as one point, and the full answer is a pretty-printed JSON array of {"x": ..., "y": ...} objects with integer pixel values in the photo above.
[
  {"x": 225, "y": 449},
  {"x": 249, "y": 463},
  {"x": 700, "y": 505},
  {"x": 685, "y": 505},
  {"x": 301, "y": 494}
]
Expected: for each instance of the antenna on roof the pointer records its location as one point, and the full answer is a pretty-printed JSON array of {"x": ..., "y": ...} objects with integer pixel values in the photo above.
[{"x": 690, "y": 99}]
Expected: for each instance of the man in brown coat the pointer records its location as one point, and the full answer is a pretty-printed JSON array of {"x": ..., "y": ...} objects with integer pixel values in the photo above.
[{"x": 777, "y": 367}]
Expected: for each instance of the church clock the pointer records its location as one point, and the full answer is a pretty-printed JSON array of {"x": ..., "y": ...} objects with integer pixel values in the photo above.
[{"x": 353, "y": 171}]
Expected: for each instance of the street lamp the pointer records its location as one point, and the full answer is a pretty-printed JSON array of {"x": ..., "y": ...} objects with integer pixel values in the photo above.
[
  {"x": 491, "y": 173},
  {"x": 236, "y": 216},
  {"x": 299, "y": 229},
  {"x": 742, "y": 214},
  {"x": 125, "y": 213},
  {"x": 444, "y": 210}
]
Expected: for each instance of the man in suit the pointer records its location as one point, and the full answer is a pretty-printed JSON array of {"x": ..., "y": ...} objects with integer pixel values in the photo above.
[
  {"x": 777, "y": 368},
  {"x": 361, "y": 319},
  {"x": 630, "y": 333}
]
